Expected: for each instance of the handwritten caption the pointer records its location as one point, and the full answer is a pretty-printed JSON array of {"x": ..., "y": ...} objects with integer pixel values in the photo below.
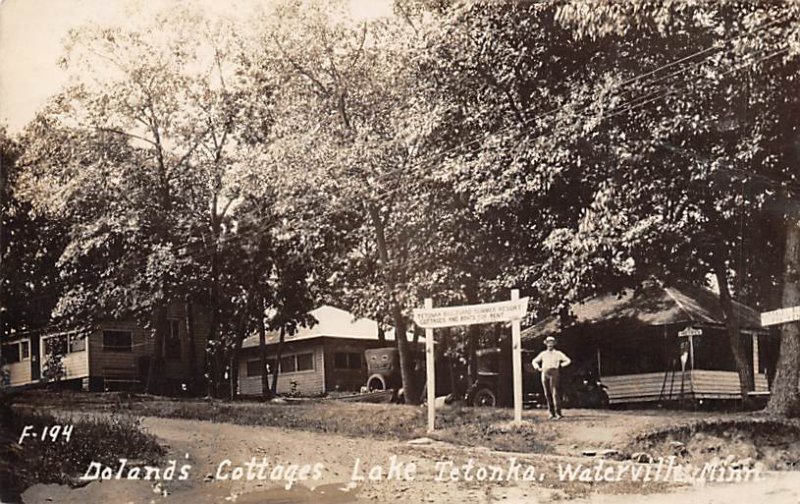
[{"x": 51, "y": 433}]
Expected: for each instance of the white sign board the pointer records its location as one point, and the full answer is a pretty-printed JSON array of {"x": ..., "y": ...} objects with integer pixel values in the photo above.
[
  {"x": 503, "y": 311},
  {"x": 781, "y": 316},
  {"x": 690, "y": 331}
]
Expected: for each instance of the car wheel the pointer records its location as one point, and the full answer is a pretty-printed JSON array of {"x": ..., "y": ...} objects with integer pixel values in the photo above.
[
  {"x": 376, "y": 382},
  {"x": 484, "y": 397},
  {"x": 604, "y": 401}
]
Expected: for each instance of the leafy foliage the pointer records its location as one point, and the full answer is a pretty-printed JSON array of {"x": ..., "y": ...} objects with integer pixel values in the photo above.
[{"x": 453, "y": 150}]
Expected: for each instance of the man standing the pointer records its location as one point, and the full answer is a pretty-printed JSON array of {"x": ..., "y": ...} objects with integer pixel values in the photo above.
[{"x": 549, "y": 362}]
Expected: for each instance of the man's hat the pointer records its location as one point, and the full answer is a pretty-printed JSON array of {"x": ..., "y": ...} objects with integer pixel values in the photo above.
[{"x": 549, "y": 338}]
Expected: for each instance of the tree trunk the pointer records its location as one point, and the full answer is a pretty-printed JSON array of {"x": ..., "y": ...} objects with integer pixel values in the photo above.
[
  {"x": 381, "y": 335},
  {"x": 266, "y": 391},
  {"x": 473, "y": 331},
  {"x": 192, "y": 353},
  {"x": 743, "y": 365},
  {"x": 216, "y": 373},
  {"x": 237, "y": 349},
  {"x": 410, "y": 389},
  {"x": 784, "y": 399},
  {"x": 278, "y": 352}
]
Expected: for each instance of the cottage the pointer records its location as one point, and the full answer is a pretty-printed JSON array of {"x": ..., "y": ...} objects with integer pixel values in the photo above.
[
  {"x": 111, "y": 355},
  {"x": 316, "y": 360},
  {"x": 660, "y": 343}
]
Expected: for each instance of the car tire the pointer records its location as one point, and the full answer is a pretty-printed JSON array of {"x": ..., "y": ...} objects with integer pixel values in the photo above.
[
  {"x": 376, "y": 382},
  {"x": 484, "y": 397},
  {"x": 604, "y": 402}
]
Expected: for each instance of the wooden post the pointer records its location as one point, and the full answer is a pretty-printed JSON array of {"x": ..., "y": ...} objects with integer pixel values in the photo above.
[
  {"x": 755, "y": 356},
  {"x": 430, "y": 372},
  {"x": 599, "y": 374},
  {"x": 691, "y": 361},
  {"x": 516, "y": 355}
]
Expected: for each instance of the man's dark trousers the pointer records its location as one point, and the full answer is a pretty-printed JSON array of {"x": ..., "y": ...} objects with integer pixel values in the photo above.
[{"x": 551, "y": 383}]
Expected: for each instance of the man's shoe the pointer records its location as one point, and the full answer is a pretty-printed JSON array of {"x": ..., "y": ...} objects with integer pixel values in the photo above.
[{"x": 558, "y": 417}]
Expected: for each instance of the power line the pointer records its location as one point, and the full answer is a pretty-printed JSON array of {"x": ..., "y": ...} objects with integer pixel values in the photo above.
[{"x": 435, "y": 157}]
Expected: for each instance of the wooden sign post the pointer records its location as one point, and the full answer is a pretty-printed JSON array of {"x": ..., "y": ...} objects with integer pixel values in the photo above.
[
  {"x": 505, "y": 311},
  {"x": 516, "y": 360},
  {"x": 430, "y": 372}
]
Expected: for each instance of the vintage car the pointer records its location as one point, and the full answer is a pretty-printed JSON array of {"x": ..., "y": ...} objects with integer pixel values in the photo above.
[
  {"x": 383, "y": 369},
  {"x": 580, "y": 390}
]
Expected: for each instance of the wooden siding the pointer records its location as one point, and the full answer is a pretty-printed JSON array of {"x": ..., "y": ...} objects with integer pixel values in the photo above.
[
  {"x": 20, "y": 372},
  {"x": 697, "y": 384},
  {"x": 308, "y": 383},
  {"x": 106, "y": 363},
  {"x": 711, "y": 384},
  {"x": 76, "y": 365},
  {"x": 97, "y": 362},
  {"x": 126, "y": 365}
]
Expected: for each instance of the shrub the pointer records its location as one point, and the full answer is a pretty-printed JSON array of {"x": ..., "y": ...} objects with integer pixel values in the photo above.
[{"x": 104, "y": 440}]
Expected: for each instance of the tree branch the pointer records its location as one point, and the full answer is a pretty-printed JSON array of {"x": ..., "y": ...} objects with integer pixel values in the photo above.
[
  {"x": 360, "y": 49},
  {"x": 302, "y": 70},
  {"x": 125, "y": 133}
]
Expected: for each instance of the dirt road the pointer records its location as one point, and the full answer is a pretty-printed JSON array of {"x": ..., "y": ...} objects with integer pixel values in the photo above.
[{"x": 329, "y": 467}]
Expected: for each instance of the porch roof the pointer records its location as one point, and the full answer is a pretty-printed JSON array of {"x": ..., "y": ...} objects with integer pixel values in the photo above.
[
  {"x": 333, "y": 323},
  {"x": 651, "y": 305}
]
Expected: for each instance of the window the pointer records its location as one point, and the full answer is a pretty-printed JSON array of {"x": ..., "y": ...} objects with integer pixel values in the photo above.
[
  {"x": 117, "y": 341},
  {"x": 172, "y": 345},
  {"x": 11, "y": 353},
  {"x": 16, "y": 352},
  {"x": 254, "y": 368},
  {"x": 294, "y": 363},
  {"x": 305, "y": 362},
  {"x": 64, "y": 344},
  {"x": 77, "y": 343},
  {"x": 55, "y": 345},
  {"x": 347, "y": 360},
  {"x": 288, "y": 364}
]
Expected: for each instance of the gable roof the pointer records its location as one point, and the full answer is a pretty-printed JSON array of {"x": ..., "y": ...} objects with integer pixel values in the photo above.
[
  {"x": 652, "y": 305},
  {"x": 333, "y": 323}
]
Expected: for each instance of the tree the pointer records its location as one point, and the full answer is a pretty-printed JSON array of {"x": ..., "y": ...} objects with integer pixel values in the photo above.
[
  {"x": 727, "y": 144},
  {"x": 29, "y": 247},
  {"x": 344, "y": 92},
  {"x": 612, "y": 172},
  {"x": 136, "y": 156}
]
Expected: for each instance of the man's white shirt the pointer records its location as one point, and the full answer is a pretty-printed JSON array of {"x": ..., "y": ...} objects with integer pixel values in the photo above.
[{"x": 551, "y": 359}]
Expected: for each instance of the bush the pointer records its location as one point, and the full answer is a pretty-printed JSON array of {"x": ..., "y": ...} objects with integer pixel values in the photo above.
[{"x": 104, "y": 440}]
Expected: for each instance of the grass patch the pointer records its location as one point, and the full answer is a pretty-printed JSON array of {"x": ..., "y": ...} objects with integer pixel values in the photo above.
[
  {"x": 487, "y": 427},
  {"x": 773, "y": 442},
  {"x": 104, "y": 440}
]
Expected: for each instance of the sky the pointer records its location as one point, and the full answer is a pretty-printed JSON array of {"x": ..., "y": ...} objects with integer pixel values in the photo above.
[{"x": 31, "y": 34}]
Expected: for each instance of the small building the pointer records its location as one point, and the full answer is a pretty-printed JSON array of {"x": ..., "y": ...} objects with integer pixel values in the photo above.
[
  {"x": 109, "y": 356},
  {"x": 316, "y": 360},
  {"x": 660, "y": 343}
]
